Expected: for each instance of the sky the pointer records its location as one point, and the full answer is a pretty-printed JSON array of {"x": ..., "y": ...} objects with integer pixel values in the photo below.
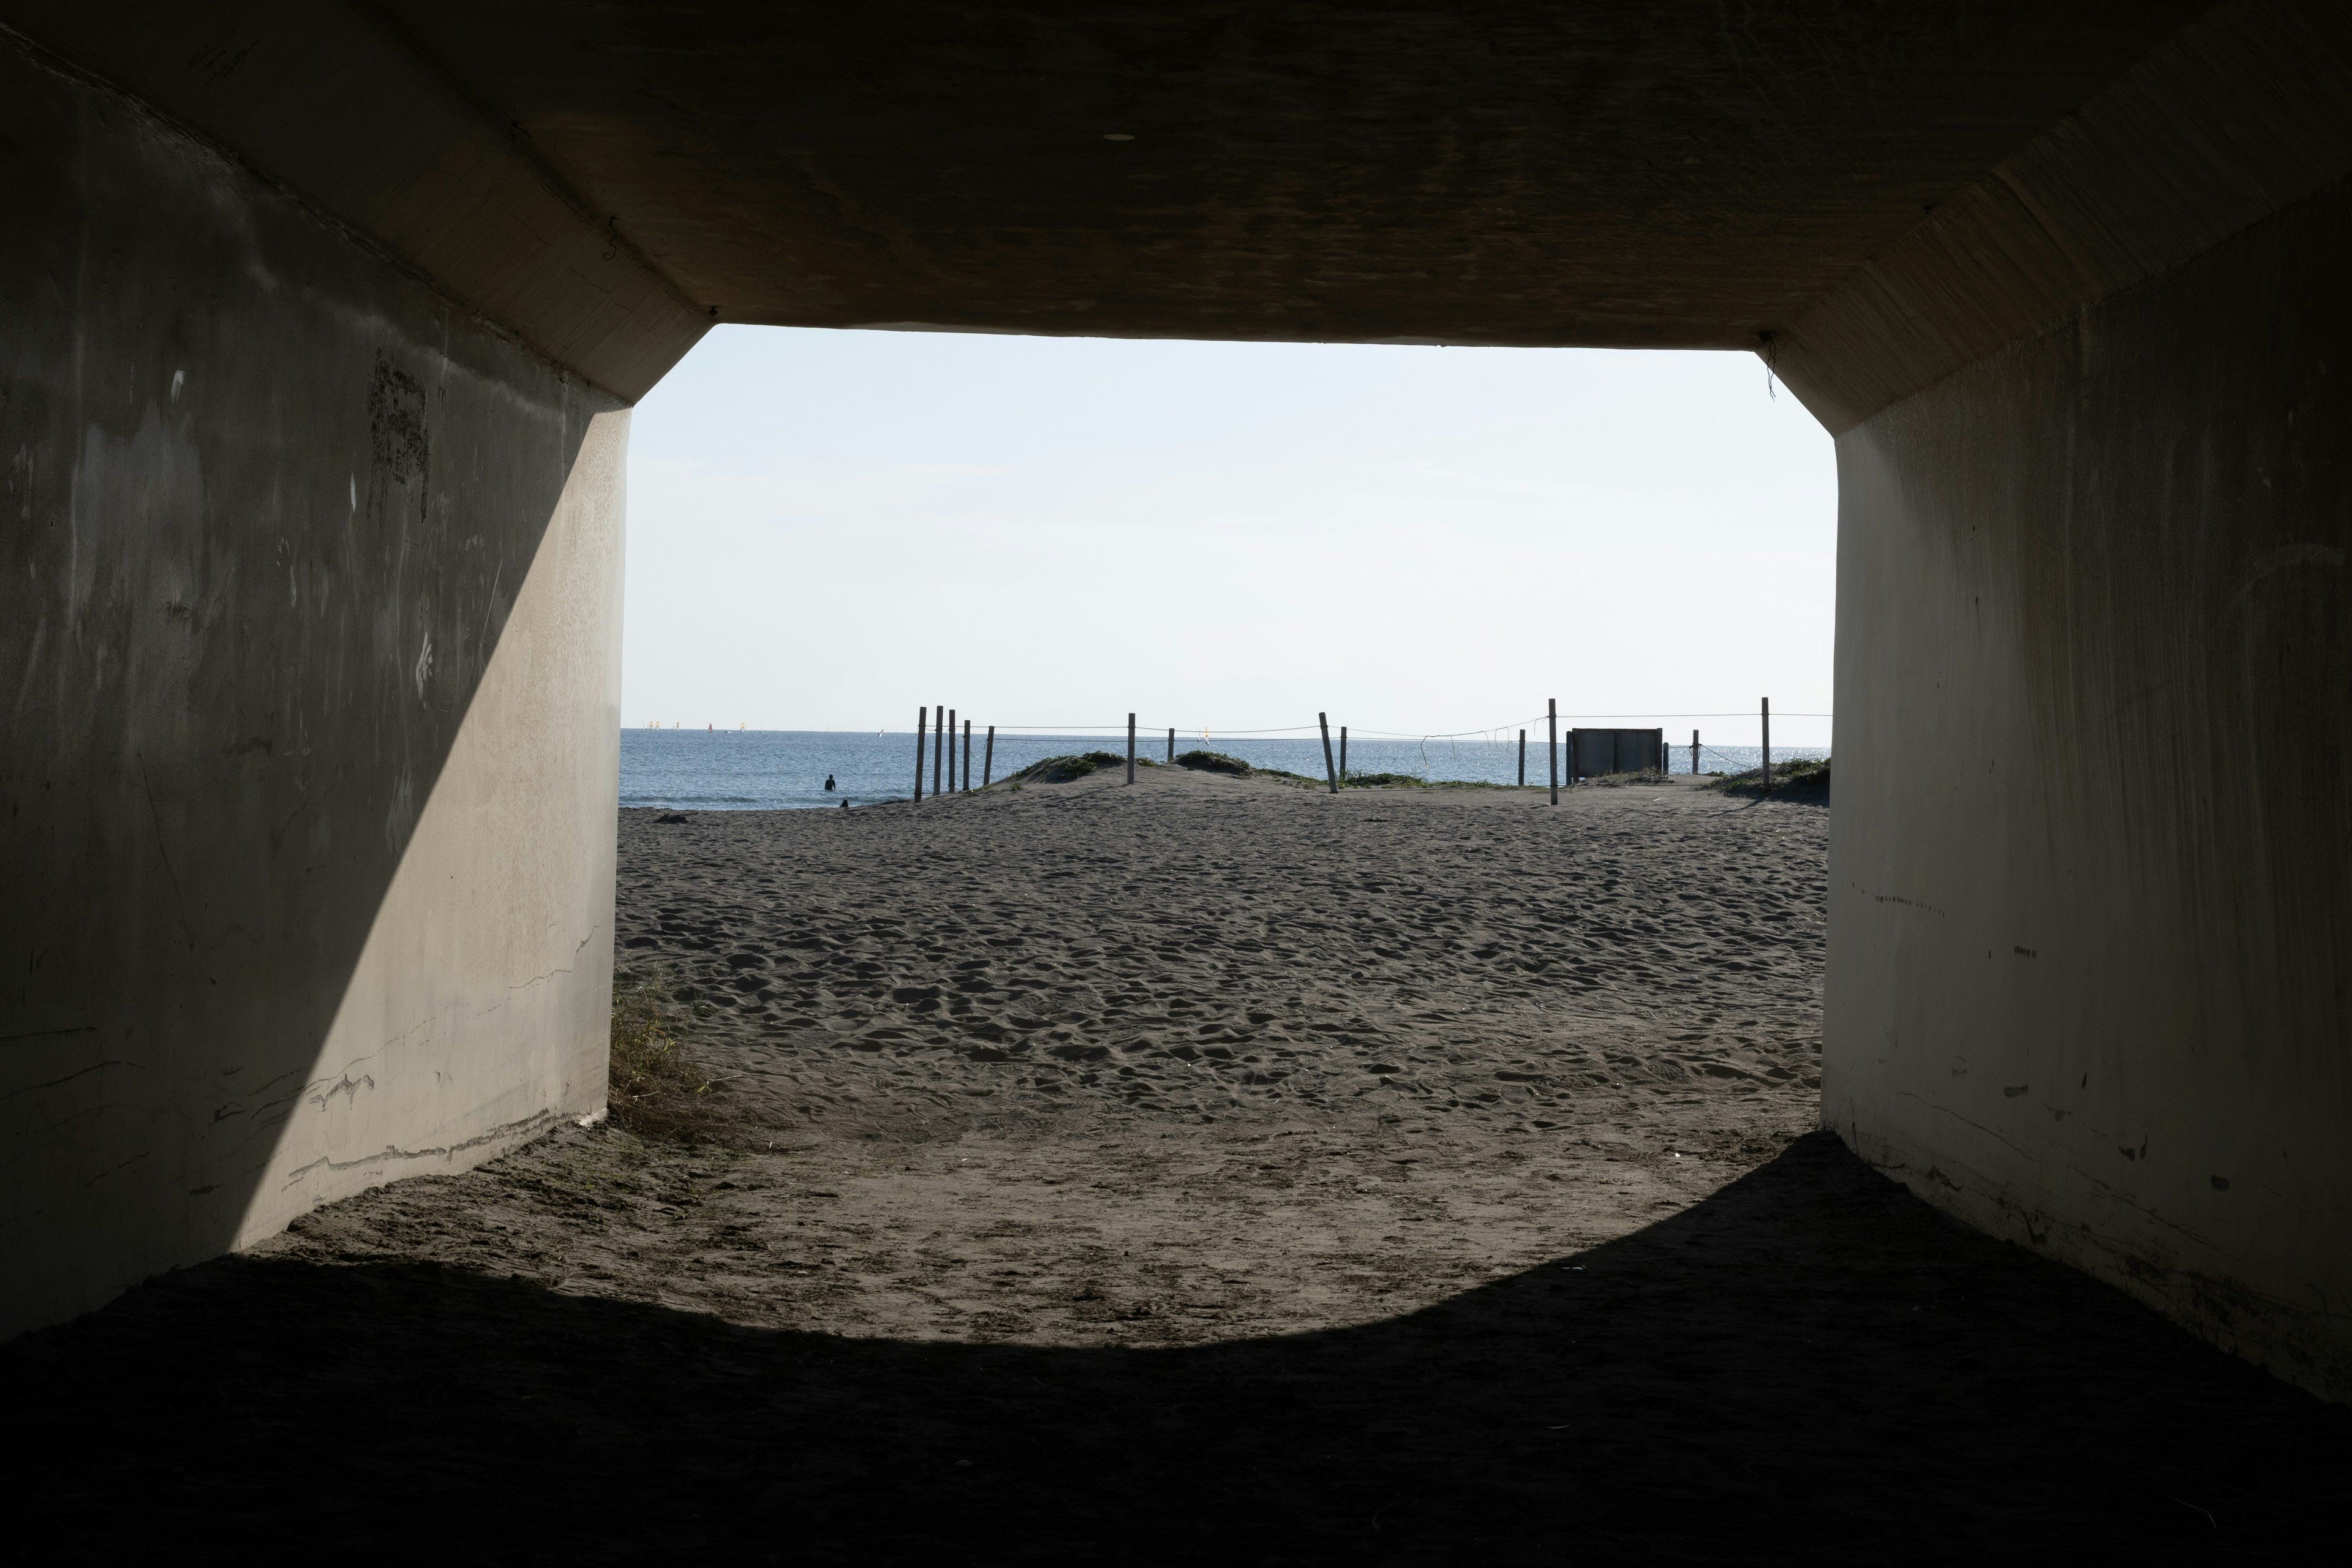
[{"x": 827, "y": 528}]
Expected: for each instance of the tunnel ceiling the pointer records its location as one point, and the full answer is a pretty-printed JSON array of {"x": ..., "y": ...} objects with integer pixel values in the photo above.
[
  {"x": 1650, "y": 173},
  {"x": 605, "y": 181}
]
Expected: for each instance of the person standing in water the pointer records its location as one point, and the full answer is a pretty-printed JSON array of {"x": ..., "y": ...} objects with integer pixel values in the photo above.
[{"x": 828, "y": 783}]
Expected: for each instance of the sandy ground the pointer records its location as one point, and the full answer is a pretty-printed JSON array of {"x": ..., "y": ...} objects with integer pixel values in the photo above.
[
  {"x": 1200, "y": 1059},
  {"x": 1211, "y": 1167}
]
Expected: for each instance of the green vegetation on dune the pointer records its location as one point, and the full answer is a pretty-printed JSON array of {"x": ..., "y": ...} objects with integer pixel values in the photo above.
[
  {"x": 1055, "y": 770},
  {"x": 1058, "y": 770},
  {"x": 1219, "y": 763},
  {"x": 1214, "y": 763},
  {"x": 1062, "y": 770},
  {"x": 1805, "y": 776}
]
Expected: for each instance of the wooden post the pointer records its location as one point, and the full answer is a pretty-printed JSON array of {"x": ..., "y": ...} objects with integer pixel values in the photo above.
[
  {"x": 1130, "y": 748},
  {"x": 1331, "y": 769},
  {"x": 939, "y": 744},
  {"x": 1523, "y": 759},
  {"x": 1551, "y": 744},
  {"x": 950, "y": 749},
  {"x": 1767, "y": 743},
  {"x": 922, "y": 733},
  {"x": 988, "y": 758},
  {"x": 1343, "y": 754},
  {"x": 1171, "y": 745},
  {"x": 967, "y": 756},
  {"x": 1694, "y": 753}
]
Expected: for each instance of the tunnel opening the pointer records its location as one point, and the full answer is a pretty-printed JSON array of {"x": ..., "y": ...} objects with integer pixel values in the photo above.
[{"x": 1431, "y": 978}]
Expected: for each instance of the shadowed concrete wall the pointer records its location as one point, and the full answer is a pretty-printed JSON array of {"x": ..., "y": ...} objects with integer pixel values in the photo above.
[
  {"x": 2091, "y": 918},
  {"x": 311, "y": 589}
]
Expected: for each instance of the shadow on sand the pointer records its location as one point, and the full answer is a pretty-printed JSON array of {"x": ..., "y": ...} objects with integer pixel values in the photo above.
[{"x": 1811, "y": 1362}]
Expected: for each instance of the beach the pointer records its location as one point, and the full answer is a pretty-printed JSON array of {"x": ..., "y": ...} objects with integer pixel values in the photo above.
[
  {"x": 1217, "y": 1165},
  {"x": 1227, "y": 1056},
  {"x": 1414, "y": 1039}
]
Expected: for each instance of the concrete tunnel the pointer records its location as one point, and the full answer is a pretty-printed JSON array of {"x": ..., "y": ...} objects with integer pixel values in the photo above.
[{"x": 319, "y": 326}]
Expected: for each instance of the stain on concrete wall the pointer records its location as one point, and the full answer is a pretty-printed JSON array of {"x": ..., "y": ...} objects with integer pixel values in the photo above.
[
  {"x": 308, "y": 596},
  {"x": 2090, "y": 977}
]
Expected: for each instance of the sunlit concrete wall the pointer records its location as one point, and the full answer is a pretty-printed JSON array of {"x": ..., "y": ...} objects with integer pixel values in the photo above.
[
  {"x": 309, "y": 656},
  {"x": 2090, "y": 981}
]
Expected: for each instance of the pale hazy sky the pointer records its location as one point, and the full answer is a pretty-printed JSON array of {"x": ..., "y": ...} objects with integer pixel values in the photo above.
[{"x": 827, "y": 528}]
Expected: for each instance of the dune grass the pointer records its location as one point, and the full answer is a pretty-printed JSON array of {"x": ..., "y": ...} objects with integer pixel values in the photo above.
[
  {"x": 1804, "y": 776},
  {"x": 1214, "y": 763},
  {"x": 653, "y": 1087},
  {"x": 1219, "y": 763},
  {"x": 1062, "y": 770}
]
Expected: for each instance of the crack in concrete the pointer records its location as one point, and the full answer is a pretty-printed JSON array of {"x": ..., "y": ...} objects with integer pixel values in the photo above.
[
  {"x": 1945, "y": 1109},
  {"x": 44, "y": 1034},
  {"x": 2049, "y": 1222},
  {"x": 112, "y": 1169},
  {"x": 52, "y": 1083},
  {"x": 344, "y": 1072},
  {"x": 579, "y": 947},
  {"x": 531, "y": 1123},
  {"x": 349, "y": 1086}
]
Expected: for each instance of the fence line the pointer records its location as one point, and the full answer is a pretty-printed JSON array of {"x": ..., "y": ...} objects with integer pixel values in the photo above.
[
  {"x": 943, "y": 724},
  {"x": 1211, "y": 731}
]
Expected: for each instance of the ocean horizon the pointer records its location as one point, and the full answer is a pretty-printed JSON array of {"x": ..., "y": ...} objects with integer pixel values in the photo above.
[{"x": 786, "y": 770}]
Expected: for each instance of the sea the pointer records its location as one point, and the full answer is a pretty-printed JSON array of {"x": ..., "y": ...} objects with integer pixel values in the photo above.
[{"x": 784, "y": 770}]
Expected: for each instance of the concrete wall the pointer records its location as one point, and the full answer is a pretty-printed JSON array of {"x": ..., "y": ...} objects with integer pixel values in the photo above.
[
  {"x": 308, "y": 654},
  {"x": 2090, "y": 981}
]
